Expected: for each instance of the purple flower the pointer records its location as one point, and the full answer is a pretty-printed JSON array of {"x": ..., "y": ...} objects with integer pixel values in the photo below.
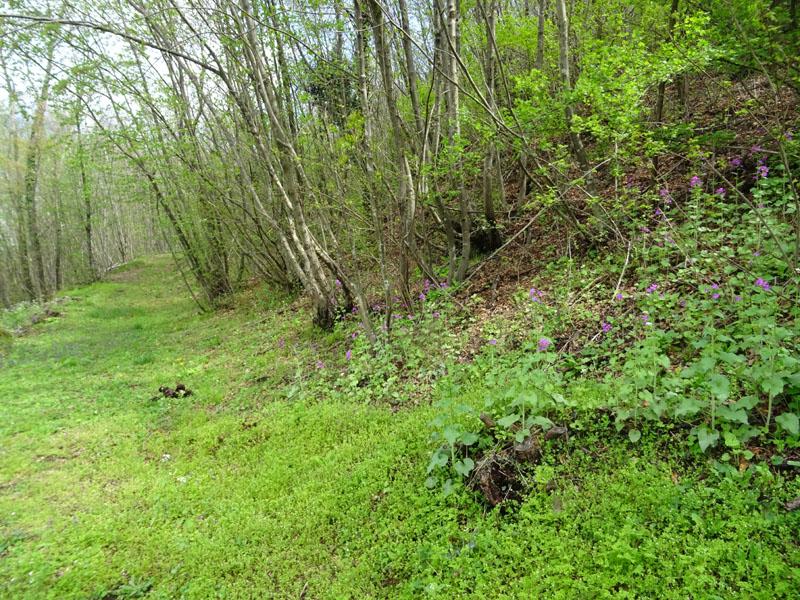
[
  {"x": 348, "y": 355},
  {"x": 763, "y": 171},
  {"x": 543, "y": 344},
  {"x": 738, "y": 298},
  {"x": 789, "y": 136},
  {"x": 397, "y": 317},
  {"x": 333, "y": 301},
  {"x": 436, "y": 314},
  {"x": 736, "y": 162},
  {"x": 443, "y": 285},
  {"x": 762, "y": 284},
  {"x": 422, "y": 297},
  {"x": 756, "y": 254},
  {"x": 664, "y": 193},
  {"x": 355, "y": 333},
  {"x": 658, "y": 212},
  {"x": 282, "y": 345},
  {"x": 338, "y": 283},
  {"x": 760, "y": 205},
  {"x": 320, "y": 365},
  {"x": 618, "y": 296},
  {"x": 411, "y": 317},
  {"x": 683, "y": 302},
  {"x": 643, "y": 318},
  {"x": 606, "y": 327},
  {"x": 493, "y": 342},
  {"x": 653, "y": 287},
  {"x": 695, "y": 181},
  {"x": 715, "y": 295},
  {"x": 720, "y": 192}
]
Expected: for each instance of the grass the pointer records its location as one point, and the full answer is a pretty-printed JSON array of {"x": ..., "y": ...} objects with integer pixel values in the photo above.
[{"x": 267, "y": 482}]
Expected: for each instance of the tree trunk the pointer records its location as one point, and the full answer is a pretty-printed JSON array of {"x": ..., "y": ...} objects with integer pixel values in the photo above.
[
  {"x": 31, "y": 179},
  {"x": 87, "y": 203},
  {"x": 540, "y": 36}
]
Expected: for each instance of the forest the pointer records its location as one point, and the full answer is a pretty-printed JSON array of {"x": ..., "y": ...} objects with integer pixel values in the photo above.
[{"x": 399, "y": 299}]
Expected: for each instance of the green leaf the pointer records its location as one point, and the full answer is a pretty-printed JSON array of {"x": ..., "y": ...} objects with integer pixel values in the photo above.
[
  {"x": 790, "y": 422},
  {"x": 688, "y": 406},
  {"x": 706, "y": 438},
  {"x": 719, "y": 386},
  {"x": 733, "y": 414},
  {"x": 451, "y": 433},
  {"x": 634, "y": 435},
  {"x": 448, "y": 488},
  {"x": 439, "y": 459},
  {"x": 468, "y": 438},
  {"x": 731, "y": 358},
  {"x": 464, "y": 467},
  {"x": 731, "y": 441},
  {"x": 508, "y": 421},
  {"x": 543, "y": 422},
  {"x": 430, "y": 483},
  {"x": 773, "y": 386}
]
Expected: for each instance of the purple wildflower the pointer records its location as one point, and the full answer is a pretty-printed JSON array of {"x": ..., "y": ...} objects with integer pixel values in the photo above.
[
  {"x": 493, "y": 342},
  {"x": 422, "y": 297},
  {"x": 720, "y": 192},
  {"x": 653, "y": 287},
  {"x": 763, "y": 171},
  {"x": 755, "y": 149},
  {"x": 606, "y": 327},
  {"x": 762, "y": 283},
  {"x": 736, "y": 162},
  {"x": 338, "y": 283},
  {"x": 348, "y": 355},
  {"x": 715, "y": 295},
  {"x": 543, "y": 344},
  {"x": 695, "y": 181},
  {"x": 320, "y": 365},
  {"x": 738, "y": 298},
  {"x": 618, "y": 296},
  {"x": 683, "y": 302}
]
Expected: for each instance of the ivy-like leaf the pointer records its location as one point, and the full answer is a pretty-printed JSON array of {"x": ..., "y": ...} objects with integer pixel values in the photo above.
[
  {"x": 706, "y": 438},
  {"x": 508, "y": 421},
  {"x": 451, "y": 433},
  {"x": 634, "y": 435},
  {"x": 790, "y": 422},
  {"x": 468, "y": 438}
]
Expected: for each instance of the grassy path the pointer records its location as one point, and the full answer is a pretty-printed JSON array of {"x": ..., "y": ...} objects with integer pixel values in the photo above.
[{"x": 237, "y": 492}]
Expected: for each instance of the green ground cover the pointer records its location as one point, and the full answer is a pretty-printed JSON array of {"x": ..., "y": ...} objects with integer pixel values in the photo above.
[{"x": 279, "y": 478}]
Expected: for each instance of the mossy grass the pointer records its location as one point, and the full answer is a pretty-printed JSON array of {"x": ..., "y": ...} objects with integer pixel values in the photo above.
[{"x": 271, "y": 482}]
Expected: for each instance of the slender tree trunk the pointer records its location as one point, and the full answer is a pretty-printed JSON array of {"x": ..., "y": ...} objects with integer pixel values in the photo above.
[
  {"x": 659, "y": 112},
  {"x": 87, "y": 203},
  {"x": 411, "y": 72},
  {"x": 540, "y": 35},
  {"x": 31, "y": 179}
]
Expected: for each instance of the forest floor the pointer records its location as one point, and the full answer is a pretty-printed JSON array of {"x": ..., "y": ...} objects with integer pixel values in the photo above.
[{"x": 273, "y": 479}]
